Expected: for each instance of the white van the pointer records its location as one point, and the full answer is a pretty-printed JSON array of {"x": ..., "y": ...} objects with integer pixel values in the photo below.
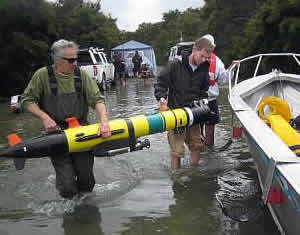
[
  {"x": 175, "y": 51},
  {"x": 95, "y": 63}
]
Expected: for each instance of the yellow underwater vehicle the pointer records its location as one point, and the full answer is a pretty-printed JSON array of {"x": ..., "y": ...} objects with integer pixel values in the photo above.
[{"x": 124, "y": 138}]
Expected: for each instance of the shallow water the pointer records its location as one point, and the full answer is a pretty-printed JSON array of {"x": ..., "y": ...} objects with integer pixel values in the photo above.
[{"x": 135, "y": 192}]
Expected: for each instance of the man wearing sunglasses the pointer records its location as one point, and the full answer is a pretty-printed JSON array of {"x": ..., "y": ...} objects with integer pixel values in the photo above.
[{"x": 62, "y": 91}]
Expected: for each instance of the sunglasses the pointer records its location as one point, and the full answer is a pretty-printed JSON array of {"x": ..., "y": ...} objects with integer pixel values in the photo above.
[{"x": 70, "y": 60}]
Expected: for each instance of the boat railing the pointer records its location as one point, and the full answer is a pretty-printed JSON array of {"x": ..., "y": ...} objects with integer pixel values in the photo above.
[{"x": 234, "y": 70}]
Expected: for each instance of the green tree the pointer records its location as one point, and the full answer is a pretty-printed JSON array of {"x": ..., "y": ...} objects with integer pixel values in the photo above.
[
  {"x": 240, "y": 29},
  {"x": 274, "y": 28},
  {"x": 84, "y": 23},
  {"x": 28, "y": 25}
]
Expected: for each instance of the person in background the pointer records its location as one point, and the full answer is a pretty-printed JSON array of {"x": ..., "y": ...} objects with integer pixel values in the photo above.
[
  {"x": 217, "y": 75},
  {"x": 179, "y": 84},
  {"x": 137, "y": 61},
  {"x": 61, "y": 91},
  {"x": 120, "y": 68},
  {"x": 144, "y": 71}
]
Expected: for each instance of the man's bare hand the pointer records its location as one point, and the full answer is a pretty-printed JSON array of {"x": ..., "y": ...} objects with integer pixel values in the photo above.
[
  {"x": 163, "y": 104},
  {"x": 235, "y": 62},
  {"x": 49, "y": 124},
  {"x": 104, "y": 130}
]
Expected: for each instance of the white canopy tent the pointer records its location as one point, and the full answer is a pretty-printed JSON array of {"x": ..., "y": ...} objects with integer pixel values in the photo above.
[{"x": 127, "y": 50}]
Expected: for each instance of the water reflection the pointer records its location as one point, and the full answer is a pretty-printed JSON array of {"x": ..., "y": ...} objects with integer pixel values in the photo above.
[
  {"x": 86, "y": 219},
  {"x": 135, "y": 191},
  {"x": 191, "y": 211},
  {"x": 194, "y": 210}
]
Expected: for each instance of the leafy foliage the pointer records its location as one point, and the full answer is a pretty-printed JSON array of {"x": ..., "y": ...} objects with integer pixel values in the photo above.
[
  {"x": 28, "y": 25},
  {"x": 274, "y": 28},
  {"x": 240, "y": 28}
]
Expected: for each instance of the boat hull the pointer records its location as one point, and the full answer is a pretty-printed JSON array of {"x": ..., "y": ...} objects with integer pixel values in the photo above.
[
  {"x": 278, "y": 167},
  {"x": 285, "y": 213}
]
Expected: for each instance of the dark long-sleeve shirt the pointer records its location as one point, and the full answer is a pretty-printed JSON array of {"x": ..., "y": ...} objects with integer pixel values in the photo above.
[{"x": 180, "y": 84}]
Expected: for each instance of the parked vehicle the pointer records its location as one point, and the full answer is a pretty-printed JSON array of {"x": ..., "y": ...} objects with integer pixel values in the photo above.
[
  {"x": 95, "y": 63},
  {"x": 176, "y": 50},
  {"x": 107, "y": 69},
  {"x": 15, "y": 104}
]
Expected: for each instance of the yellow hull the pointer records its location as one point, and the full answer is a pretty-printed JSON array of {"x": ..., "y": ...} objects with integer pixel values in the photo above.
[{"x": 78, "y": 137}]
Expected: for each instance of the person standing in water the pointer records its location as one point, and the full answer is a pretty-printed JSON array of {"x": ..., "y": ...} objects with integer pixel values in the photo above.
[{"x": 58, "y": 92}]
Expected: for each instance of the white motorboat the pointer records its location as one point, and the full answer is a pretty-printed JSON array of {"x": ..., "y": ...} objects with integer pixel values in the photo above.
[{"x": 266, "y": 105}]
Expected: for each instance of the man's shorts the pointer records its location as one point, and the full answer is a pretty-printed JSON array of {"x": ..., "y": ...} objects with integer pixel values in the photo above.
[
  {"x": 120, "y": 75},
  {"x": 191, "y": 137},
  {"x": 213, "y": 105}
]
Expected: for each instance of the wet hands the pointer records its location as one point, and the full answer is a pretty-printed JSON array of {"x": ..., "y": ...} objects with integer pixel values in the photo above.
[
  {"x": 49, "y": 124},
  {"x": 104, "y": 130},
  {"x": 163, "y": 104},
  {"x": 233, "y": 63}
]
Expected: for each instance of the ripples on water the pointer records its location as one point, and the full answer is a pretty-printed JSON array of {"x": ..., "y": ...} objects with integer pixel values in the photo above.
[{"x": 135, "y": 192}]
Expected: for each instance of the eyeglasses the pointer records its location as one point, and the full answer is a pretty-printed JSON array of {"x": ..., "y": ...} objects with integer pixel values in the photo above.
[{"x": 70, "y": 60}]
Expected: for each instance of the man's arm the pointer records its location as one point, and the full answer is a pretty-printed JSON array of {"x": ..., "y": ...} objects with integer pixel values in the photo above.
[
  {"x": 205, "y": 87},
  {"x": 31, "y": 97},
  {"x": 96, "y": 100},
  {"x": 104, "y": 129},
  {"x": 222, "y": 74},
  {"x": 161, "y": 88},
  {"x": 48, "y": 123}
]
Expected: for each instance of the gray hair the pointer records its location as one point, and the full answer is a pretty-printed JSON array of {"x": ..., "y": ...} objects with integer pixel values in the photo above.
[{"x": 57, "y": 48}]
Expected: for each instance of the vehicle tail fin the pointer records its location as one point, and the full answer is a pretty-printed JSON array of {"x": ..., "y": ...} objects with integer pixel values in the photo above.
[
  {"x": 14, "y": 139},
  {"x": 72, "y": 122}
]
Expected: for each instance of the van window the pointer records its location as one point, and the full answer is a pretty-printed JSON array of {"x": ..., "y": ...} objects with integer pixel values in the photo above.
[
  {"x": 109, "y": 60},
  {"x": 184, "y": 48},
  {"x": 98, "y": 58},
  {"x": 103, "y": 57},
  {"x": 84, "y": 58}
]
